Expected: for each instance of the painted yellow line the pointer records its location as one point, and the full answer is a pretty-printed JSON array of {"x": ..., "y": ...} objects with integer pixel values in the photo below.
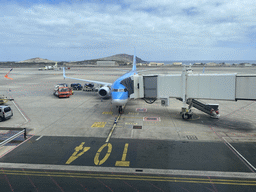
[
  {"x": 108, "y": 113},
  {"x": 127, "y": 117},
  {"x": 131, "y": 123},
  {"x": 113, "y": 128},
  {"x": 96, "y": 158},
  {"x": 123, "y": 162},
  {"x": 99, "y": 125},
  {"x": 74, "y": 156},
  {"x": 131, "y": 177},
  {"x": 131, "y": 113}
]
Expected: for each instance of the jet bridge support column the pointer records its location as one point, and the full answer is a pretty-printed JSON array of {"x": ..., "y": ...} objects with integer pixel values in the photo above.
[{"x": 186, "y": 112}]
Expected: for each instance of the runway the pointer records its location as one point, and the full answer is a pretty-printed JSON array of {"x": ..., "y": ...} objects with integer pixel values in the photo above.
[{"x": 77, "y": 132}]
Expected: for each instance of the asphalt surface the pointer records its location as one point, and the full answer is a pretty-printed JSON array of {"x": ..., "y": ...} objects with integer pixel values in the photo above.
[
  {"x": 72, "y": 144},
  {"x": 152, "y": 154}
]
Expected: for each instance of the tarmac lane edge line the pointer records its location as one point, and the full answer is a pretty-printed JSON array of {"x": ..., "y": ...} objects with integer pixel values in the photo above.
[
  {"x": 130, "y": 177},
  {"x": 220, "y": 174},
  {"x": 240, "y": 154}
]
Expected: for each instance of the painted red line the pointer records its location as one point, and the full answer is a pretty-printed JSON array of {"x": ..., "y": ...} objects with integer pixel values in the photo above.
[
  {"x": 78, "y": 182},
  {"x": 105, "y": 185},
  {"x": 16, "y": 146},
  {"x": 56, "y": 183},
  {"x": 8, "y": 180},
  {"x": 213, "y": 186},
  {"x": 130, "y": 185},
  {"x": 30, "y": 180}
]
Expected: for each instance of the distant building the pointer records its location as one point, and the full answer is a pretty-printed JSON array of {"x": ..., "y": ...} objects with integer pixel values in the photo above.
[
  {"x": 196, "y": 64},
  {"x": 106, "y": 63},
  {"x": 212, "y": 64},
  {"x": 155, "y": 64},
  {"x": 247, "y": 64},
  {"x": 177, "y": 63}
]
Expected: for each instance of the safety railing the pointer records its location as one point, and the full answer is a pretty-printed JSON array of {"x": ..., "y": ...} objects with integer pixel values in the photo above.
[{"x": 21, "y": 132}]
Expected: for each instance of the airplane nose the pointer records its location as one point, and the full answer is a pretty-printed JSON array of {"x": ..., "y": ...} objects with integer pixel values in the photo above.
[{"x": 119, "y": 102}]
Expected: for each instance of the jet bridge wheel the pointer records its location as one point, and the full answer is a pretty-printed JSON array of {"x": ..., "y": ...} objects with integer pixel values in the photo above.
[{"x": 186, "y": 116}]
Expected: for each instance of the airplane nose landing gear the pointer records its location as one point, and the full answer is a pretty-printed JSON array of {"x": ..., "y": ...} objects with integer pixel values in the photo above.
[{"x": 120, "y": 110}]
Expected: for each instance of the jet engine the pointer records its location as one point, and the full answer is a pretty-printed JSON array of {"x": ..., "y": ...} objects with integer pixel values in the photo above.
[{"x": 104, "y": 91}]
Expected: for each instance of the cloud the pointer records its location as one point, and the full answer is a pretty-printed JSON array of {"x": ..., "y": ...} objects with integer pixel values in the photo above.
[{"x": 152, "y": 26}]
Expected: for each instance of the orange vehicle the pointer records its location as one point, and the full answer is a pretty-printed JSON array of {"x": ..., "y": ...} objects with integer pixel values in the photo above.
[{"x": 63, "y": 92}]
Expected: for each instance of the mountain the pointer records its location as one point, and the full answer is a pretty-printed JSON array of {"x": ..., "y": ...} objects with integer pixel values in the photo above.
[
  {"x": 37, "y": 60},
  {"x": 122, "y": 57}
]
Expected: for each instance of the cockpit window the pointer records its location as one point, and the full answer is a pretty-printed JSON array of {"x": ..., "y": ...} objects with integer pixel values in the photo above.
[{"x": 119, "y": 90}]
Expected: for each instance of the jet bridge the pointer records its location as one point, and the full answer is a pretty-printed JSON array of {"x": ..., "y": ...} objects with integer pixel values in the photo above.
[{"x": 189, "y": 87}]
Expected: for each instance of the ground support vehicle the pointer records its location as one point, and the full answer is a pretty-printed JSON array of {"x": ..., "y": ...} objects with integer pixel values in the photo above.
[
  {"x": 5, "y": 112},
  {"x": 4, "y": 99},
  {"x": 76, "y": 86},
  {"x": 60, "y": 85},
  {"x": 63, "y": 92},
  {"x": 90, "y": 87}
]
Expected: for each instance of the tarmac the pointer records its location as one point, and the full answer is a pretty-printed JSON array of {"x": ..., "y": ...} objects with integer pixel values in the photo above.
[{"x": 78, "y": 134}]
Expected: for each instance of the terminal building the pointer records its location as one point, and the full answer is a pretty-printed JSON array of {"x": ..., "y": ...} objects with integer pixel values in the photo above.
[
  {"x": 177, "y": 63},
  {"x": 155, "y": 64},
  {"x": 107, "y": 63}
]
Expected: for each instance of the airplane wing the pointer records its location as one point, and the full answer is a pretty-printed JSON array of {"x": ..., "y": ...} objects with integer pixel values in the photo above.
[{"x": 87, "y": 80}]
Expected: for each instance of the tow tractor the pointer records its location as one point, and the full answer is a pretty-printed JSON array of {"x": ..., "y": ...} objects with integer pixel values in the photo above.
[{"x": 4, "y": 99}]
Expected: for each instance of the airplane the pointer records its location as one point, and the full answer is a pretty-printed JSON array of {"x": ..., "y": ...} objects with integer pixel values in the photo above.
[{"x": 119, "y": 91}]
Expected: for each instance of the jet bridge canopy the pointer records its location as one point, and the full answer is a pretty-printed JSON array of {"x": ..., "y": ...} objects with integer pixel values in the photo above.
[
  {"x": 195, "y": 86},
  {"x": 187, "y": 87}
]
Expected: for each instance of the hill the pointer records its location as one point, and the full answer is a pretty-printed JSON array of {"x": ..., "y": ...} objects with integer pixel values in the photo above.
[
  {"x": 121, "y": 59},
  {"x": 36, "y": 60}
]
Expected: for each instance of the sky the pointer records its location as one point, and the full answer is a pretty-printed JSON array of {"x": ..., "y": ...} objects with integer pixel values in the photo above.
[{"x": 162, "y": 30}]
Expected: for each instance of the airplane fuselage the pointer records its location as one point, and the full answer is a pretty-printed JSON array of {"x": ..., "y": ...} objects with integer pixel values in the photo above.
[{"x": 119, "y": 93}]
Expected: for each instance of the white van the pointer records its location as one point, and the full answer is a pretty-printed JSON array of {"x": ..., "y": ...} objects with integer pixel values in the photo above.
[{"x": 5, "y": 112}]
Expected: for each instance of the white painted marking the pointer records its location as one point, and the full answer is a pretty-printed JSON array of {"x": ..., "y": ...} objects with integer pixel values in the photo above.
[
  {"x": 39, "y": 137},
  {"x": 132, "y": 133},
  {"x": 240, "y": 154},
  {"x": 20, "y": 112}
]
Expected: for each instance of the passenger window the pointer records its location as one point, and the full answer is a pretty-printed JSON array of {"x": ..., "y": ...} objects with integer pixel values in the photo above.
[{"x": 7, "y": 109}]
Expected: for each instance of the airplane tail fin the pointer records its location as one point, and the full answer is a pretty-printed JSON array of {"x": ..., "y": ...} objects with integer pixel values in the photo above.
[
  {"x": 134, "y": 61},
  {"x": 64, "y": 75}
]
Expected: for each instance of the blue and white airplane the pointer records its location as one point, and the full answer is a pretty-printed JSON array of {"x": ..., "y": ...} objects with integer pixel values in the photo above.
[{"x": 119, "y": 91}]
